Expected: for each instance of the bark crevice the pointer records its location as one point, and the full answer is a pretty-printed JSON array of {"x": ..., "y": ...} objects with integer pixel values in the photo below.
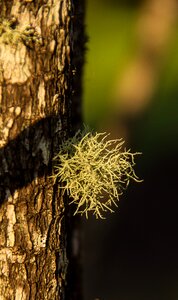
[{"x": 37, "y": 95}]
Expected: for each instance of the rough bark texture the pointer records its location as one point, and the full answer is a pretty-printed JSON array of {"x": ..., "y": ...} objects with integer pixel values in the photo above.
[{"x": 36, "y": 87}]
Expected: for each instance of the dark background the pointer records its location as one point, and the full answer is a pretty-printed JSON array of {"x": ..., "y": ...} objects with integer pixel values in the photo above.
[{"x": 133, "y": 253}]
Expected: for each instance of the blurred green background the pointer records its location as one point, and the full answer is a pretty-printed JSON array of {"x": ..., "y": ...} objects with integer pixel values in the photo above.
[
  {"x": 111, "y": 27},
  {"x": 131, "y": 90},
  {"x": 110, "y": 30}
]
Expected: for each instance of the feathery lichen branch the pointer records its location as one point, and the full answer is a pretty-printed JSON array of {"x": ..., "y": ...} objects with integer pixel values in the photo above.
[{"x": 94, "y": 171}]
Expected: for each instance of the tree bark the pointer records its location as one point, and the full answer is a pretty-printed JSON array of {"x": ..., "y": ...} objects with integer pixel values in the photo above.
[{"x": 37, "y": 108}]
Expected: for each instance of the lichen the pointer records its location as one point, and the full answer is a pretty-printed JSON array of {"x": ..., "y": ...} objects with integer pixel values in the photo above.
[
  {"x": 94, "y": 171},
  {"x": 11, "y": 33}
]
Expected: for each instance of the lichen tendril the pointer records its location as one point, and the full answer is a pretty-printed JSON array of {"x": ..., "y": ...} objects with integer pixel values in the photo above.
[{"x": 95, "y": 171}]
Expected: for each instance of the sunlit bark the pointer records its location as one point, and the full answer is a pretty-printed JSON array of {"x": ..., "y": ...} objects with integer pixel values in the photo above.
[{"x": 36, "y": 86}]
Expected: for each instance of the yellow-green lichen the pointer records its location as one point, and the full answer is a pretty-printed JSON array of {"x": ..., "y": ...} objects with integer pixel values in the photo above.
[
  {"x": 11, "y": 33},
  {"x": 94, "y": 171}
]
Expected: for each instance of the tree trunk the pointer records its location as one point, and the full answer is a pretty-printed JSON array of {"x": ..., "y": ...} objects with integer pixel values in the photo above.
[{"x": 37, "y": 85}]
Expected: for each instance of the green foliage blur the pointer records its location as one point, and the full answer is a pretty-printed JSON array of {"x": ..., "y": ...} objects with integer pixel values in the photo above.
[{"x": 110, "y": 26}]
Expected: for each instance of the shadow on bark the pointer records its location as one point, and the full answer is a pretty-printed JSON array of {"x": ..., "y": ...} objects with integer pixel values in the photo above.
[{"x": 28, "y": 156}]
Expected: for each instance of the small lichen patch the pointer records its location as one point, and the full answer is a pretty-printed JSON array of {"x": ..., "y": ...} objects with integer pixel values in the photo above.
[
  {"x": 94, "y": 171},
  {"x": 13, "y": 32},
  {"x": 15, "y": 39}
]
